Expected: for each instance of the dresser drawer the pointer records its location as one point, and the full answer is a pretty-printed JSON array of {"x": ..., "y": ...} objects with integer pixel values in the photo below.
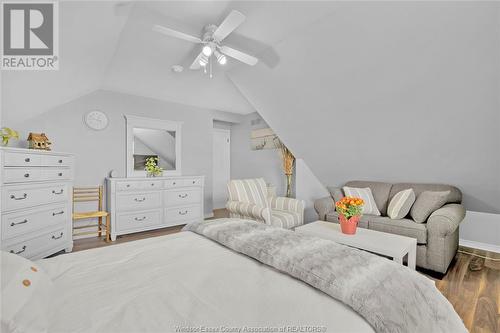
[
  {"x": 152, "y": 185},
  {"x": 138, "y": 220},
  {"x": 173, "y": 183},
  {"x": 33, "y": 246},
  {"x": 56, "y": 173},
  {"x": 17, "y": 175},
  {"x": 174, "y": 215},
  {"x": 126, "y": 186},
  {"x": 138, "y": 201},
  {"x": 182, "y": 197},
  {"x": 22, "y": 159},
  {"x": 56, "y": 160},
  {"x": 192, "y": 182},
  {"x": 21, "y": 223},
  {"x": 28, "y": 196}
]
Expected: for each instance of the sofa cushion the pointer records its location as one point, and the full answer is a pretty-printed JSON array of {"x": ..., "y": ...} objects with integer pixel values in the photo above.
[
  {"x": 403, "y": 227},
  {"x": 380, "y": 192},
  {"x": 363, "y": 222},
  {"x": 427, "y": 203},
  {"x": 400, "y": 204},
  {"x": 455, "y": 195},
  {"x": 369, "y": 206},
  {"x": 335, "y": 192}
]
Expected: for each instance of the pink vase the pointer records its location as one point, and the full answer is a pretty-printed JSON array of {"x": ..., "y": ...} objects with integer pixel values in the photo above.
[{"x": 348, "y": 226}]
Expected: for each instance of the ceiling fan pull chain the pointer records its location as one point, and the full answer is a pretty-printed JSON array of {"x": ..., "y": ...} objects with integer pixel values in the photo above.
[{"x": 210, "y": 67}]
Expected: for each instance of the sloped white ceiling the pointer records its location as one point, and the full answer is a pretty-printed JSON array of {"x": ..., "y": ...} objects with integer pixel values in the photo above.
[
  {"x": 110, "y": 45},
  {"x": 89, "y": 34}
]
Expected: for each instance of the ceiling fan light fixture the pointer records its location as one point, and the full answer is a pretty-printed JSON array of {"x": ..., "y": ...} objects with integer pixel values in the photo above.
[
  {"x": 203, "y": 60},
  {"x": 207, "y": 50},
  {"x": 221, "y": 59}
]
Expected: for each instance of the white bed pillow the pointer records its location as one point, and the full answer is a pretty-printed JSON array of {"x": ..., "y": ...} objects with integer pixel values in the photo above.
[
  {"x": 26, "y": 293},
  {"x": 370, "y": 207}
]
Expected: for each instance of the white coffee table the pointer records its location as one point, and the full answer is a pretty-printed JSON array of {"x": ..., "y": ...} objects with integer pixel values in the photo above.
[{"x": 390, "y": 245}]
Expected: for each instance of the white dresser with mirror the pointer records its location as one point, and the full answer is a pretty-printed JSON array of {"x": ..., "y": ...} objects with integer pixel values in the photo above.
[{"x": 139, "y": 203}]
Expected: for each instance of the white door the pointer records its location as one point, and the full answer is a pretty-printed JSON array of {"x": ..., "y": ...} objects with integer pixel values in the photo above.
[{"x": 221, "y": 166}]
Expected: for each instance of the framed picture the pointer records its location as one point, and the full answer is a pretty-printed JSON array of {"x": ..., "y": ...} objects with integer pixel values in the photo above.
[{"x": 263, "y": 139}]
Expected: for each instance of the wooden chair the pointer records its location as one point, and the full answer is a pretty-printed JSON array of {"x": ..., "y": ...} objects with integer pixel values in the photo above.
[{"x": 89, "y": 194}]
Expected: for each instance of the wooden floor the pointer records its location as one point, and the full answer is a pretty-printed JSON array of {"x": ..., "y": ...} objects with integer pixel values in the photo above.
[{"x": 472, "y": 284}]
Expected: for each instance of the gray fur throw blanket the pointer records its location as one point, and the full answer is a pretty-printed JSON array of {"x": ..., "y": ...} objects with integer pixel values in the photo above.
[{"x": 391, "y": 297}]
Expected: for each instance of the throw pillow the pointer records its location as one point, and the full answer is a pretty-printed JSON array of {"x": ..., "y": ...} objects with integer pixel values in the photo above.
[
  {"x": 335, "y": 192},
  {"x": 427, "y": 203},
  {"x": 370, "y": 207},
  {"x": 27, "y": 291},
  {"x": 400, "y": 204}
]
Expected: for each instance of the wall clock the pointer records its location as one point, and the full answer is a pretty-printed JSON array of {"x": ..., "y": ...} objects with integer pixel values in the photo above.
[{"x": 96, "y": 120}]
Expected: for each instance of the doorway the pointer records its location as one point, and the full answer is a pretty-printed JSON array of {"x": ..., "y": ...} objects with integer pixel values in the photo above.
[{"x": 221, "y": 166}]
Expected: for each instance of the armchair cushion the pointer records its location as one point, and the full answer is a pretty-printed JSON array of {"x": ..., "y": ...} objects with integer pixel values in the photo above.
[
  {"x": 285, "y": 218},
  {"x": 445, "y": 220},
  {"x": 250, "y": 210}
]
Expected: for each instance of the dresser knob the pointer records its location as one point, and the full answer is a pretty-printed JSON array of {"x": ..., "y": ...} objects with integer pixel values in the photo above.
[
  {"x": 58, "y": 213},
  {"x": 60, "y": 174},
  {"x": 26, "y": 175},
  {"x": 27, "y": 160},
  {"x": 60, "y": 192},
  {"x": 60, "y": 161}
]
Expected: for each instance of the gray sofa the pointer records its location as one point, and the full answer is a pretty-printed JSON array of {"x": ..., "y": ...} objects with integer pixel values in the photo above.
[{"x": 437, "y": 239}]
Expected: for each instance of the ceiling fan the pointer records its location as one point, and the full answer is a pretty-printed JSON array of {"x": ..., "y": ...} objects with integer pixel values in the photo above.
[{"x": 212, "y": 38}]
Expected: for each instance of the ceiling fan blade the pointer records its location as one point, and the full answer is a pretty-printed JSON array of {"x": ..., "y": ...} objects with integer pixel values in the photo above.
[
  {"x": 231, "y": 22},
  {"x": 176, "y": 34},
  {"x": 238, "y": 55},
  {"x": 196, "y": 62}
]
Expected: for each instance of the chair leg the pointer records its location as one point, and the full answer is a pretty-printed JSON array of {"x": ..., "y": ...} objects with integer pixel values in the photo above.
[
  {"x": 100, "y": 227},
  {"x": 108, "y": 229}
]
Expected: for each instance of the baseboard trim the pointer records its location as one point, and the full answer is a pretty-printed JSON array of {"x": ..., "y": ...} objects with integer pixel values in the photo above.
[
  {"x": 479, "y": 245},
  {"x": 209, "y": 215}
]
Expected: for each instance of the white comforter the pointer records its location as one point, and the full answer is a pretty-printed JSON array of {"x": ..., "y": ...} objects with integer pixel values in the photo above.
[{"x": 184, "y": 282}]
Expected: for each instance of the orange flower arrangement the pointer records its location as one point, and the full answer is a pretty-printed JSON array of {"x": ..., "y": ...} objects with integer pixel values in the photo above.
[{"x": 350, "y": 206}]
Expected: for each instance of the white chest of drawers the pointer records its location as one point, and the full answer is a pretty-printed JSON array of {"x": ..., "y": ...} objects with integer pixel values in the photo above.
[
  {"x": 35, "y": 205},
  {"x": 140, "y": 204}
]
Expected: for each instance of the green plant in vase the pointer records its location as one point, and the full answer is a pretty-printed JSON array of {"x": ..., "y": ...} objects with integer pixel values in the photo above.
[
  {"x": 152, "y": 168},
  {"x": 7, "y": 134}
]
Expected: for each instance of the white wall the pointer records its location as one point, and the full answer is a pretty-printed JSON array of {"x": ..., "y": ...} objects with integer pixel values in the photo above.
[
  {"x": 391, "y": 91},
  {"x": 481, "y": 230},
  {"x": 308, "y": 188},
  {"x": 98, "y": 152},
  {"x": 247, "y": 163}
]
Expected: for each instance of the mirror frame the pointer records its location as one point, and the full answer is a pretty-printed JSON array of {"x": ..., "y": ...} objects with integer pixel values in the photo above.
[{"x": 150, "y": 123}]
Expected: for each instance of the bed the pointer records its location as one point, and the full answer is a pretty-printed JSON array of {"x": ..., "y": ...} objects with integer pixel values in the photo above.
[{"x": 184, "y": 282}]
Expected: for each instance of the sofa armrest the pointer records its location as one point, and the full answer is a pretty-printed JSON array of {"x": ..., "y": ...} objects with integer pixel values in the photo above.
[
  {"x": 324, "y": 206},
  {"x": 249, "y": 209},
  {"x": 445, "y": 220}
]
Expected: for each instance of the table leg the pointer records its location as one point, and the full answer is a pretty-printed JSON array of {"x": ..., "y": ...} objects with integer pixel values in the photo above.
[
  {"x": 412, "y": 256},
  {"x": 399, "y": 260}
]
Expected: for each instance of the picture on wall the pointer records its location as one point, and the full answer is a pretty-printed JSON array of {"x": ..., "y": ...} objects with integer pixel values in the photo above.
[{"x": 263, "y": 138}]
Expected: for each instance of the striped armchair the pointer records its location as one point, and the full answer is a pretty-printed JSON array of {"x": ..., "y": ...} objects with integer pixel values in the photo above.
[{"x": 249, "y": 199}]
